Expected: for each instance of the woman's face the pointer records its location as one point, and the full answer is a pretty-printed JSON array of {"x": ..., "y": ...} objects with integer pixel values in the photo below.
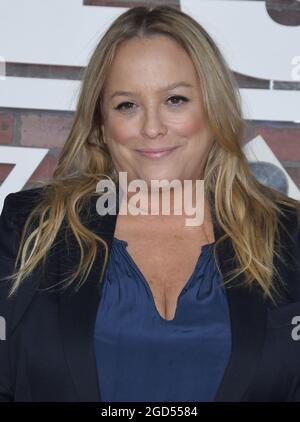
[{"x": 147, "y": 114}]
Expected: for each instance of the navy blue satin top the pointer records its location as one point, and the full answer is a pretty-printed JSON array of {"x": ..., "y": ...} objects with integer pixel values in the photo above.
[{"x": 143, "y": 357}]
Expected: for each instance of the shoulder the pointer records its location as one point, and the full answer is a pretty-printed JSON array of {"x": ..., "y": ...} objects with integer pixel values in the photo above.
[
  {"x": 288, "y": 248},
  {"x": 289, "y": 225},
  {"x": 20, "y": 203},
  {"x": 16, "y": 208}
]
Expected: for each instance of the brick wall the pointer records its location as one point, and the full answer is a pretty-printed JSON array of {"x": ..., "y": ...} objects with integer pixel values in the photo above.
[{"x": 38, "y": 128}]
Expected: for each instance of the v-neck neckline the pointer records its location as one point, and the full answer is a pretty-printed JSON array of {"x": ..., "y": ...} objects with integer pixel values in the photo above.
[{"x": 204, "y": 250}]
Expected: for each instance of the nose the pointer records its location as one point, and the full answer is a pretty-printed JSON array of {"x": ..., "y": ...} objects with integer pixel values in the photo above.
[{"x": 153, "y": 125}]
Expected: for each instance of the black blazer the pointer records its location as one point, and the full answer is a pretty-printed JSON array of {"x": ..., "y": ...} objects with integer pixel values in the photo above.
[{"x": 48, "y": 353}]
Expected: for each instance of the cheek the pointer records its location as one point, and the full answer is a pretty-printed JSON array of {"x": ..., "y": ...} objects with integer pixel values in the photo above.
[
  {"x": 121, "y": 132},
  {"x": 187, "y": 129},
  {"x": 191, "y": 126},
  {"x": 197, "y": 136}
]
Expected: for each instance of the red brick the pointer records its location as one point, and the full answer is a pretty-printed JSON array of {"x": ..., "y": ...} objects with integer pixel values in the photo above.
[
  {"x": 45, "y": 130},
  {"x": 284, "y": 142},
  {"x": 45, "y": 169},
  {"x": 5, "y": 169},
  {"x": 7, "y": 122}
]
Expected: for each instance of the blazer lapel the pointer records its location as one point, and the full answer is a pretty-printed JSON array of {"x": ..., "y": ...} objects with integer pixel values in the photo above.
[
  {"x": 248, "y": 320},
  {"x": 78, "y": 312},
  {"x": 78, "y": 315}
]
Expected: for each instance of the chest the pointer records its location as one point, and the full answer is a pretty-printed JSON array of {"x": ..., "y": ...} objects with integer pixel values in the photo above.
[{"x": 165, "y": 259}]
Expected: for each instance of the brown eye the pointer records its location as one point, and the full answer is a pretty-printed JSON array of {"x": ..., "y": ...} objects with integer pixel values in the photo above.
[
  {"x": 178, "y": 97},
  {"x": 127, "y": 105},
  {"x": 120, "y": 107}
]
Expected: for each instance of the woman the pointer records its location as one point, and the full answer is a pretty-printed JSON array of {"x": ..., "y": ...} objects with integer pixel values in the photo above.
[{"x": 188, "y": 313}]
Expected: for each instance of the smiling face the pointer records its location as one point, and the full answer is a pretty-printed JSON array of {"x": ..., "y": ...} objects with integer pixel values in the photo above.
[{"x": 141, "y": 111}]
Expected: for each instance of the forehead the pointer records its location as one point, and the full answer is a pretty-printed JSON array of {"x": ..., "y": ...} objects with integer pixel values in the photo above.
[{"x": 154, "y": 61}]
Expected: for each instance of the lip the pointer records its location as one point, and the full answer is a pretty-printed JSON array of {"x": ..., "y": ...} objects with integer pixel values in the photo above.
[{"x": 156, "y": 153}]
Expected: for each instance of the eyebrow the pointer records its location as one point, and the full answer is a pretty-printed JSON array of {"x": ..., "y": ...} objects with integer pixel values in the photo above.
[{"x": 166, "y": 88}]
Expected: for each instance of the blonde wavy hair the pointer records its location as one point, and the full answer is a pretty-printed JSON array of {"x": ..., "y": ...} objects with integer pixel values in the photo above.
[{"x": 246, "y": 210}]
